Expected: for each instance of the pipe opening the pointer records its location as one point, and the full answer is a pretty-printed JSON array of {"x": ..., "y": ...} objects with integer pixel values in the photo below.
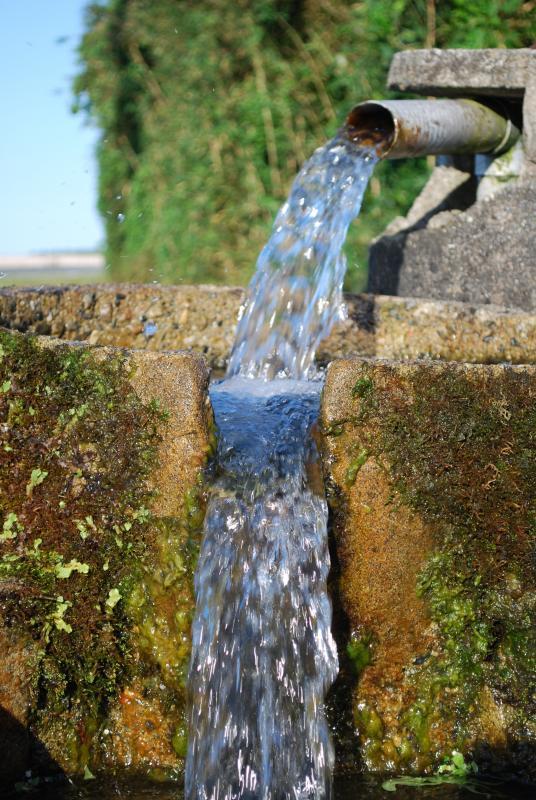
[{"x": 371, "y": 125}]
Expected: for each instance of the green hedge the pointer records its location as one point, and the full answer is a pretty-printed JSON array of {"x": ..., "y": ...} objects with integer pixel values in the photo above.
[{"x": 208, "y": 108}]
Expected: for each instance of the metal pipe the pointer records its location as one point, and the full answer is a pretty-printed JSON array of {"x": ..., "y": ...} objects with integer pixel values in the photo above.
[{"x": 409, "y": 128}]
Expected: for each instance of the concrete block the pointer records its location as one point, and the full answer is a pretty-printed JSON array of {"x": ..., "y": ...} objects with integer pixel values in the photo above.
[
  {"x": 144, "y": 317},
  {"x": 430, "y": 470},
  {"x": 203, "y": 318},
  {"x": 484, "y": 254},
  {"x": 102, "y": 503}
]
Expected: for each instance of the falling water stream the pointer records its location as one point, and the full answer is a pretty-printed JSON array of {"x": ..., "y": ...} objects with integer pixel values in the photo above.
[{"x": 263, "y": 656}]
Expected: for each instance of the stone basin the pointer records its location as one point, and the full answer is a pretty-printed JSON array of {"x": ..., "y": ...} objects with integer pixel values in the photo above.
[
  {"x": 101, "y": 489},
  {"x": 427, "y": 434},
  {"x": 429, "y": 468}
]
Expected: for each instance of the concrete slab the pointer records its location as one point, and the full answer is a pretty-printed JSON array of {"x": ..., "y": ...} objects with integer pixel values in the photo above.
[
  {"x": 203, "y": 319},
  {"x": 459, "y": 73}
]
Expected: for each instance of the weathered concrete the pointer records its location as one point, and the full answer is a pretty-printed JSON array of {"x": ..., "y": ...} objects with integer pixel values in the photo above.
[
  {"x": 430, "y": 468},
  {"x": 448, "y": 188},
  {"x": 457, "y": 73},
  {"x": 203, "y": 319},
  {"x": 95, "y": 655},
  {"x": 148, "y": 317},
  {"x": 494, "y": 174},
  {"x": 402, "y": 328},
  {"x": 454, "y": 246},
  {"x": 529, "y": 122},
  {"x": 484, "y": 254}
]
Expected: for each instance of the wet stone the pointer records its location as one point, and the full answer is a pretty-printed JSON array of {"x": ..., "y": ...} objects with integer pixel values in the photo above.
[{"x": 18, "y": 656}]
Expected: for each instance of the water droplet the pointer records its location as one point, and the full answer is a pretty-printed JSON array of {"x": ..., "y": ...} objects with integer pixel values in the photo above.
[{"x": 149, "y": 329}]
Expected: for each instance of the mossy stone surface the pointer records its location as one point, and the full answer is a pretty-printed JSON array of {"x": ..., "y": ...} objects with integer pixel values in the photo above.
[
  {"x": 101, "y": 502},
  {"x": 435, "y": 539}
]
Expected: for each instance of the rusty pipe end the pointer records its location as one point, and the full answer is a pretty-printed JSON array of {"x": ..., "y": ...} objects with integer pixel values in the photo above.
[{"x": 372, "y": 125}]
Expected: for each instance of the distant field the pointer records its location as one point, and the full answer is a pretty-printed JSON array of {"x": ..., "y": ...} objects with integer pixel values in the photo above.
[
  {"x": 52, "y": 269},
  {"x": 58, "y": 277}
]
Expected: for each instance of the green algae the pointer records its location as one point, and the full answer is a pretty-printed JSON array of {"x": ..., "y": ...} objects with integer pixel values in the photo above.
[
  {"x": 454, "y": 770},
  {"x": 83, "y": 562},
  {"x": 336, "y": 429},
  {"x": 355, "y": 466},
  {"x": 460, "y": 450},
  {"x": 363, "y": 387},
  {"x": 359, "y": 651},
  {"x": 162, "y": 604}
]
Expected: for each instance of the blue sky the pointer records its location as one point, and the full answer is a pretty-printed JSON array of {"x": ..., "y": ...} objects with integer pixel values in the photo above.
[{"x": 47, "y": 165}]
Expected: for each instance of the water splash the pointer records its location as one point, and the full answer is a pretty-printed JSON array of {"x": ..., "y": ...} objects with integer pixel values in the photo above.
[
  {"x": 296, "y": 292},
  {"x": 263, "y": 656}
]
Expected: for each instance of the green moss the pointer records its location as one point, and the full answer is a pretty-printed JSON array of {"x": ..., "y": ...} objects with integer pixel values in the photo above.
[
  {"x": 363, "y": 387},
  {"x": 370, "y": 727},
  {"x": 461, "y": 452},
  {"x": 355, "y": 466},
  {"x": 77, "y": 450},
  {"x": 162, "y": 602},
  {"x": 359, "y": 651},
  {"x": 336, "y": 429},
  {"x": 180, "y": 741}
]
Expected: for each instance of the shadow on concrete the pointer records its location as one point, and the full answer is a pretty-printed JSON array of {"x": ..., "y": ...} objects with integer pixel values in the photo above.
[{"x": 386, "y": 253}]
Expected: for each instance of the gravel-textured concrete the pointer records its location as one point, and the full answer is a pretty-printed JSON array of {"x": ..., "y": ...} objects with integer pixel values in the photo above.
[{"x": 202, "y": 319}]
